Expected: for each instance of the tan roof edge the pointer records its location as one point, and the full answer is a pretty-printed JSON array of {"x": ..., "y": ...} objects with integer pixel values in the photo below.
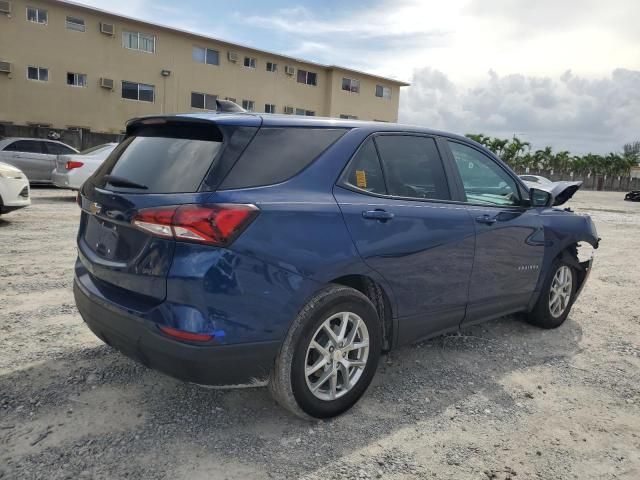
[{"x": 225, "y": 42}]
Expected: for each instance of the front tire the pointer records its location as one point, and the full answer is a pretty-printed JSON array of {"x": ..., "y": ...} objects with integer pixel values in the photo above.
[
  {"x": 330, "y": 354},
  {"x": 557, "y": 296}
]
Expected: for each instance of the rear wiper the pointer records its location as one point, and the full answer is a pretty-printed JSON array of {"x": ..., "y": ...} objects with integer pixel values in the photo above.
[{"x": 123, "y": 182}]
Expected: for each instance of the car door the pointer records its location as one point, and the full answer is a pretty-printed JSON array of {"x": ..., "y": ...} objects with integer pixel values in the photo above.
[
  {"x": 509, "y": 235},
  {"x": 31, "y": 157},
  {"x": 395, "y": 199}
]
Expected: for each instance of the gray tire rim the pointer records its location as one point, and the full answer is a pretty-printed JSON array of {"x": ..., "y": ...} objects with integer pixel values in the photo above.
[
  {"x": 560, "y": 293},
  {"x": 337, "y": 356}
]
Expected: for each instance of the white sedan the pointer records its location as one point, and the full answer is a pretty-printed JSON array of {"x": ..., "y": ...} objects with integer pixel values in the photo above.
[
  {"x": 14, "y": 188},
  {"x": 72, "y": 170}
]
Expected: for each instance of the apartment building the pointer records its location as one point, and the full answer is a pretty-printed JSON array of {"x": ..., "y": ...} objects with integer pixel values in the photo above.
[{"x": 64, "y": 65}]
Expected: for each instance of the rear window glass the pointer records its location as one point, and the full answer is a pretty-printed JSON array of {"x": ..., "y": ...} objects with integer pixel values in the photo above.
[
  {"x": 161, "y": 164},
  {"x": 277, "y": 154},
  {"x": 59, "y": 149}
]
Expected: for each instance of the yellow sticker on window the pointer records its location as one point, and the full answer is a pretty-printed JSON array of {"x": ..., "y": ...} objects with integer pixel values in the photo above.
[{"x": 361, "y": 179}]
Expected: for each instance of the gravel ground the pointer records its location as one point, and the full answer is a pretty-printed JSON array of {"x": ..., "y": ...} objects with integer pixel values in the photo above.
[{"x": 501, "y": 400}]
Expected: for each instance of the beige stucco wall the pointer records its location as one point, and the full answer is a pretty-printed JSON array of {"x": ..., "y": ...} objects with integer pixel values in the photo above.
[{"x": 61, "y": 50}]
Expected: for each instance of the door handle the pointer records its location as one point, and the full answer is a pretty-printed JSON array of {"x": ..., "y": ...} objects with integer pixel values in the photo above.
[
  {"x": 381, "y": 215},
  {"x": 486, "y": 219}
]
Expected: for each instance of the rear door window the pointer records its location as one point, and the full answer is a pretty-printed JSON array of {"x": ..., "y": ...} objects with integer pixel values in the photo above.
[
  {"x": 58, "y": 149},
  {"x": 277, "y": 154},
  {"x": 412, "y": 167},
  {"x": 159, "y": 164}
]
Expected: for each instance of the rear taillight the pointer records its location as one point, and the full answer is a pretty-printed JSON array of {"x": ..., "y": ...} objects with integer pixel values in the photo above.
[
  {"x": 70, "y": 165},
  {"x": 217, "y": 224}
]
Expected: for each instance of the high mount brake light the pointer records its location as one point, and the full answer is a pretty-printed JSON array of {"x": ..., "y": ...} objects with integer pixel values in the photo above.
[
  {"x": 70, "y": 165},
  {"x": 216, "y": 224}
]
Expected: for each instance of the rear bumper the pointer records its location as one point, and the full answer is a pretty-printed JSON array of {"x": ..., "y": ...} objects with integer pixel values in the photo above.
[
  {"x": 64, "y": 180},
  {"x": 247, "y": 364}
]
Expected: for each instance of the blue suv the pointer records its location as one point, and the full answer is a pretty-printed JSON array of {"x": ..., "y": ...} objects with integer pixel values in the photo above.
[{"x": 247, "y": 249}]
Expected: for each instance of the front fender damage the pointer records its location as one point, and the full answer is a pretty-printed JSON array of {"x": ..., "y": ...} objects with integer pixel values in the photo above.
[{"x": 564, "y": 233}]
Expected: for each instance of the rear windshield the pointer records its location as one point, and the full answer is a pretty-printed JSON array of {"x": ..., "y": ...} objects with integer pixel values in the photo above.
[
  {"x": 277, "y": 154},
  {"x": 157, "y": 164}
]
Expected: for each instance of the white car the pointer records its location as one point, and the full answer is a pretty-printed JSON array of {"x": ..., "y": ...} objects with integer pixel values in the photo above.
[
  {"x": 14, "y": 188},
  {"x": 72, "y": 170},
  {"x": 36, "y": 157}
]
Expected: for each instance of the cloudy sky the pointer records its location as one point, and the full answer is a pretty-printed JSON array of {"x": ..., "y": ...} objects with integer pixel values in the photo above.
[{"x": 564, "y": 73}]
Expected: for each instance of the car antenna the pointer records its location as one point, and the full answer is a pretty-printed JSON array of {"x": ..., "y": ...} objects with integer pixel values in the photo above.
[{"x": 227, "y": 106}]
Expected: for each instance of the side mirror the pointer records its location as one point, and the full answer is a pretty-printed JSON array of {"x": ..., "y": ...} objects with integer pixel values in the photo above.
[{"x": 540, "y": 198}]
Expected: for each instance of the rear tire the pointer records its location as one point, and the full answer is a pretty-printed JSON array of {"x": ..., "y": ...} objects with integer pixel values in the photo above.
[
  {"x": 557, "y": 296},
  {"x": 319, "y": 374}
]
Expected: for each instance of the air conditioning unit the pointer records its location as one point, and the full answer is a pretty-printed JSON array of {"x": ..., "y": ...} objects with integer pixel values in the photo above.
[
  {"x": 106, "y": 83},
  {"x": 232, "y": 56},
  {"x": 289, "y": 70},
  {"x": 5, "y": 7},
  {"x": 288, "y": 110},
  {"x": 107, "y": 28},
  {"x": 5, "y": 67}
]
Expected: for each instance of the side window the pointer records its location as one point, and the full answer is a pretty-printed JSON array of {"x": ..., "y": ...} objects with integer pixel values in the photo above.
[
  {"x": 412, "y": 167},
  {"x": 58, "y": 149},
  {"x": 27, "y": 146},
  {"x": 277, "y": 154},
  {"x": 483, "y": 180},
  {"x": 365, "y": 172}
]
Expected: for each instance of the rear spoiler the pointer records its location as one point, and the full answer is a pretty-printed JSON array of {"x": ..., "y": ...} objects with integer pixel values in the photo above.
[
  {"x": 174, "y": 126},
  {"x": 177, "y": 124}
]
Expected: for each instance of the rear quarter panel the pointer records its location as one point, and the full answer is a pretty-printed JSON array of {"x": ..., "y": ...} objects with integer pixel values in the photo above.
[{"x": 297, "y": 244}]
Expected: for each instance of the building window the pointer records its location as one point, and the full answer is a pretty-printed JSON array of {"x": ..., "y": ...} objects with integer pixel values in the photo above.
[
  {"x": 250, "y": 62},
  {"x": 310, "y": 78},
  {"x": 138, "y": 91},
  {"x": 139, "y": 41},
  {"x": 269, "y": 108},
  {"x": 272, "y": 67},
  {"x": 351, "y": 85},
  {"x": 204, "y": 101},
  {"x": 75, "y": 23},
  {"x": 348, "y": 117},
  {"x": 77, "y": 79},
  {"x": 37, "y": 15},
  {"x": 249, "y": 105},
  {"x": 38, "y": 73},
  {"x": 308, "y": 113},
  {"x": 383, "y": 92},
  {"x": 206, "y": 55}
]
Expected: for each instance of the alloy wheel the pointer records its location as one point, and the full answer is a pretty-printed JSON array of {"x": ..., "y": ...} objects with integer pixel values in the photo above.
[
  {"x": 337, "y": 356},
  {"x": 560, "y": 292}
]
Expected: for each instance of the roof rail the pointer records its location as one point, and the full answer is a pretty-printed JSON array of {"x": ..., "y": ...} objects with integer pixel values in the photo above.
[{"x": 226, "y": 106}]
